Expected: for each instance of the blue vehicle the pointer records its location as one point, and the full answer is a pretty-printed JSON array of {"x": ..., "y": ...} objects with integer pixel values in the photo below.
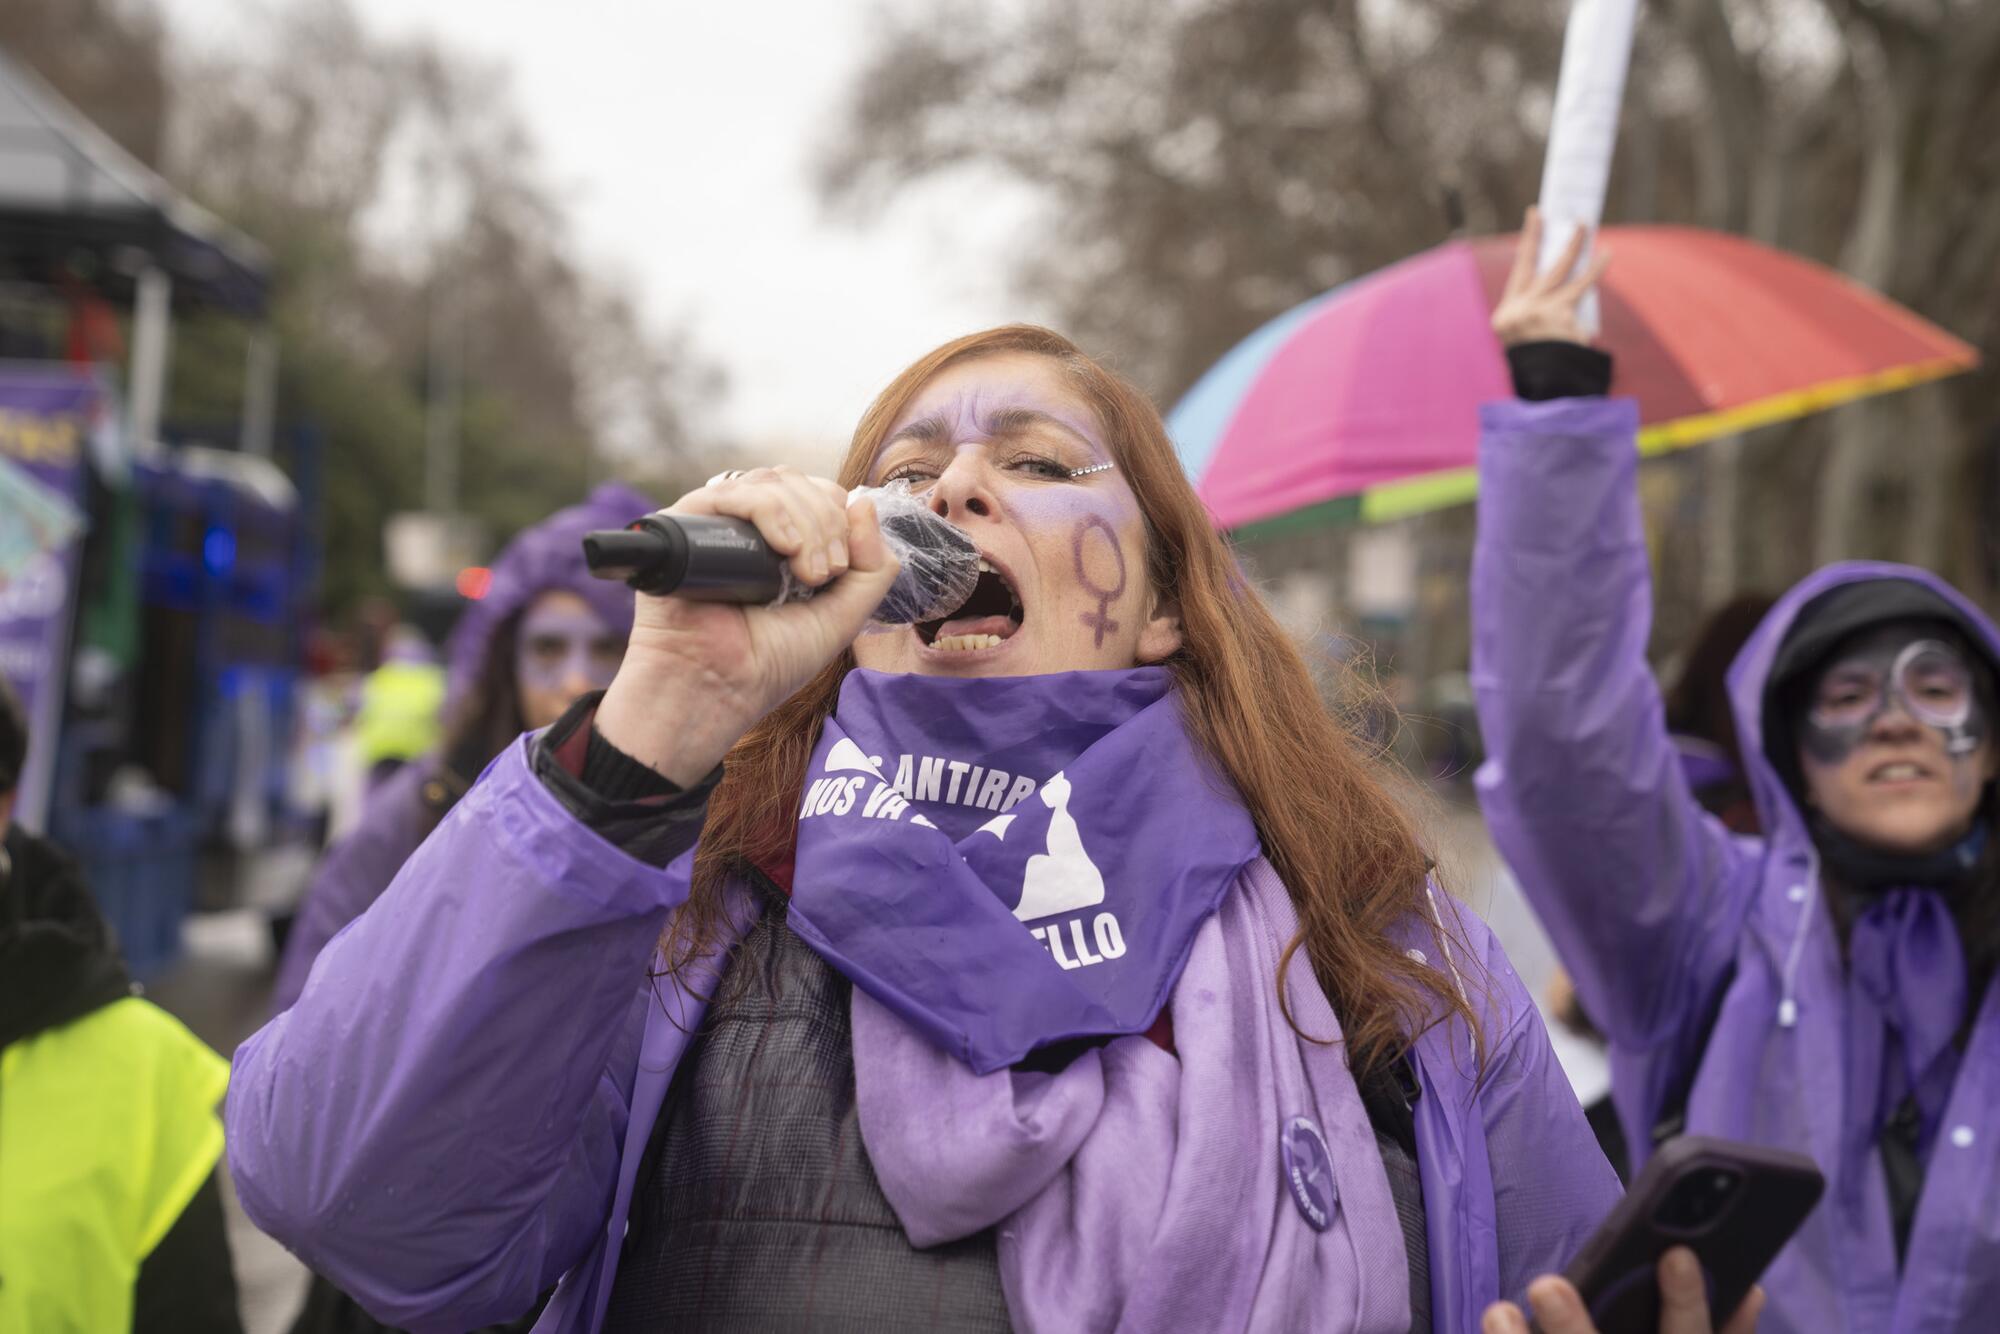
[{"x": 174, "y": 788}]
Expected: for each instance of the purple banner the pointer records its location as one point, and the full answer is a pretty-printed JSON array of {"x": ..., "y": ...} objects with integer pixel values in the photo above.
[{"x": 47, "y": 413}]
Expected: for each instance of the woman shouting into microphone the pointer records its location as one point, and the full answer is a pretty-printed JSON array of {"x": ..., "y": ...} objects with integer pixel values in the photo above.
[{"x": 1057, "y": 963}]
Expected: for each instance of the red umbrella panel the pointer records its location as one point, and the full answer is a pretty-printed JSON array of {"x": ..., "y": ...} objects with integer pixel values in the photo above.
[{"x": 1362, "y": 404}]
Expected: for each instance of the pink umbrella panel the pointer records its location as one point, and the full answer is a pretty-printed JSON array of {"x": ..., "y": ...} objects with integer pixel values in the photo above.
[{"x": 1362, "y": 404}]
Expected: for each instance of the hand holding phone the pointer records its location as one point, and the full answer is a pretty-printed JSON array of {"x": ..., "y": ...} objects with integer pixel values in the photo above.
[
  {"x": 1559, "y": 1308},
  {"x": 1733, "y": 1206}
]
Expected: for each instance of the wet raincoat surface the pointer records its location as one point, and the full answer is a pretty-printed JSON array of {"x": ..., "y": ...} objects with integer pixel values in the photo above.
[
  {"x": 1662, "y": 916},
  {"x": 452, "y": 1117},
  {"x": 406, "y": 807}
]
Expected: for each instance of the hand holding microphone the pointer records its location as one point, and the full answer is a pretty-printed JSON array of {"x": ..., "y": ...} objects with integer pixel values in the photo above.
[{"x": 699, "y": 673}]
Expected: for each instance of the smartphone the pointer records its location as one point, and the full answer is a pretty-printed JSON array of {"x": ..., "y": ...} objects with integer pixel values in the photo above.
[{"x": 1734, "y": 1205}]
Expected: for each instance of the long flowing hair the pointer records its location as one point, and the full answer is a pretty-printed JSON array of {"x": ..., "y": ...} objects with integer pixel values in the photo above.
[
  {"x": 1347, "y": 852},
  {"x": 488, "y": 718}
]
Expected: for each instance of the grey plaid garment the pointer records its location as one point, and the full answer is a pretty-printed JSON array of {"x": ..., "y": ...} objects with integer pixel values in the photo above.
[
  {"x": 1407, "y": 1188},
  {"x": 756, "y": 1206}
]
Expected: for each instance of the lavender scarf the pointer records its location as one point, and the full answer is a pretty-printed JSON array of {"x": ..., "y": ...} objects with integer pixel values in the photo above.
[{"x": 1138, "y": 1191}]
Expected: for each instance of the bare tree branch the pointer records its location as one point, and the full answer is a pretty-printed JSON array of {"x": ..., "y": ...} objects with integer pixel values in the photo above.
[{"x": 1735, "y": 99}]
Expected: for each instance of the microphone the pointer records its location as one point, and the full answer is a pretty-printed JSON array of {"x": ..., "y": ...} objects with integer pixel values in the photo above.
[{"x": 706, "y": 558}]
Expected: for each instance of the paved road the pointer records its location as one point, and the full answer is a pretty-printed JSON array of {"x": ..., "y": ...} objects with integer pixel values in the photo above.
[{"x": 220, "y": 989}]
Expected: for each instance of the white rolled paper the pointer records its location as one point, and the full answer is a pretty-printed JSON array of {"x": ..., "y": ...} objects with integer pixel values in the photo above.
[{"x": 1597, "y": 51}]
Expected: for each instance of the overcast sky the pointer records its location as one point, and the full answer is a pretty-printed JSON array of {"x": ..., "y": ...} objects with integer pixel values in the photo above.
[{"x": 682, "y": 136}]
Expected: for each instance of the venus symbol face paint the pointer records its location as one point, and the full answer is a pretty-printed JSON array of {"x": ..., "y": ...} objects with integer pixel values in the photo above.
[{"x": 1100, "y": 571}]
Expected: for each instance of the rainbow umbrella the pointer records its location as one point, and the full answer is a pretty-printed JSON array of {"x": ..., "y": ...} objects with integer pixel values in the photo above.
[{"x": 1362, "y": 404}]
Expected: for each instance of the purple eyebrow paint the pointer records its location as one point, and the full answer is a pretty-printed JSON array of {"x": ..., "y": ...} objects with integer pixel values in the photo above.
[{"x": 977, "y": 416}]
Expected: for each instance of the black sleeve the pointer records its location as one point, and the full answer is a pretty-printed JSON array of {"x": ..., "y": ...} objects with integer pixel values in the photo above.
[
  {"x": 616, "y": 776},
  {"x": 622, "y": 800},
  {"x": 188, "y": 1285},
  {"x": 1557, "y": 369}
]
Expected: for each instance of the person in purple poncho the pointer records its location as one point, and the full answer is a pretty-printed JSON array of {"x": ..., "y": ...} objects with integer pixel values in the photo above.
[
  {"x": 1055, "y": 964},
  {"x": 1824, "y": 986},
  {"x": 543, "y": 634}
]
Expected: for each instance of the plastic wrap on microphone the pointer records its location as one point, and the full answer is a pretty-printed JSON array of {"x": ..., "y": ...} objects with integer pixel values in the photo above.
[{"x": 940, "y": 564}]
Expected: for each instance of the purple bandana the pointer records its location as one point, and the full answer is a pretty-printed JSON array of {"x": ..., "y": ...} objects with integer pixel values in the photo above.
[
  {"x": 1905, "y": 1004},
  {"x": 1010, "y": 862}
]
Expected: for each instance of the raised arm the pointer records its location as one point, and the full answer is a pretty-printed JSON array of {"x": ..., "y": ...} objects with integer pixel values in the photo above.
[{"x": 1642, "y": 891}]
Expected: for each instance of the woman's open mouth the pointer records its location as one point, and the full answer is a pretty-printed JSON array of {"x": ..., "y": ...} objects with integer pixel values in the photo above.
[{"x": 986, "y": 619}]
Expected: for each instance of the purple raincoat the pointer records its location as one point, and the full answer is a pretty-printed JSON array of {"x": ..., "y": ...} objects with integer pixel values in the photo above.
[
  {"x": 355, "y": 871},
  {"x": 452, "y": 1116},
  {"x": 1659, "y": 912}
]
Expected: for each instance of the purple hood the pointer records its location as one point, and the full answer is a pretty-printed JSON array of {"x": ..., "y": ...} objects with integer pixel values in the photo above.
[{"x": 547, "y": 556}]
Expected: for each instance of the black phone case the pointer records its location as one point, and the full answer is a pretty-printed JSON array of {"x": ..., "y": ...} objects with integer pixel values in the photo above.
[{"x": 1615, "y": 1271}]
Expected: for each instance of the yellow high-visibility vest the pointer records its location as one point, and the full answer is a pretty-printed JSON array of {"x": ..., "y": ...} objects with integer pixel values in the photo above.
[
  {"x": 402, "y": 710},
  {"x": 108, "y": 1127}
]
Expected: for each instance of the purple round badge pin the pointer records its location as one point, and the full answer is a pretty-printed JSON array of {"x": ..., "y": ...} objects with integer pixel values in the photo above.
[{"x": 1308, "y": 1170}]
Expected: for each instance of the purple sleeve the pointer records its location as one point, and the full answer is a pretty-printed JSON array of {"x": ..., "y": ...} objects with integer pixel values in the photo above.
[
  {"x": 1551, "y": 1183},
  {"x": 352, "y": 875},
  {"x": 1642, "y": 891},
  {"x": 436, "y": 1124}
]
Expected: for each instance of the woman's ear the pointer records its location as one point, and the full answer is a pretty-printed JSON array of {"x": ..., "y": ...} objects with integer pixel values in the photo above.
[{"x": 1161, "y": 638}]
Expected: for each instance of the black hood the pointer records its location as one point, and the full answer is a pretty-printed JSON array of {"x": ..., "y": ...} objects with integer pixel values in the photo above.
[
  {"x": 1848, "y": 609},
  {"x": 57, "y": 958}
]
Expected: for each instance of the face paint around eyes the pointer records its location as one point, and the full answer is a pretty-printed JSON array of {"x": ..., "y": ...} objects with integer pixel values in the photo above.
[
  {"x": 550, "y": 663},
  {"x": 554, "y": 647},
  {"x": 1829, "y": 745},
  {"x": 1024, "y": 474},
  {"x": 1927, "y": 678}
]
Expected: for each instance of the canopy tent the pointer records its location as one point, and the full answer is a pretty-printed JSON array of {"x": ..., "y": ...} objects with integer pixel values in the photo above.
[{"x": 67, "y": 190}]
